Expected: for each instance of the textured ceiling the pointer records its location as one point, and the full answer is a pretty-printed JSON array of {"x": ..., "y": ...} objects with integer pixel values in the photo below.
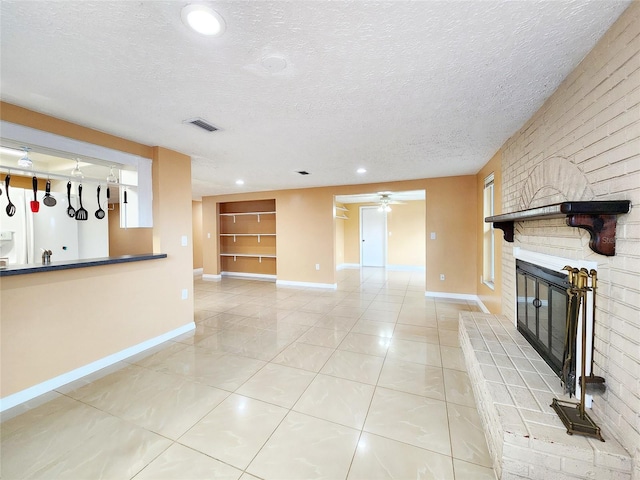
[{"x": 405, "y": 89}]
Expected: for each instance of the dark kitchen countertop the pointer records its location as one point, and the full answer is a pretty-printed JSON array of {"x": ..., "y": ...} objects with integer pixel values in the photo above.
[{"x": 70, "y": 264}]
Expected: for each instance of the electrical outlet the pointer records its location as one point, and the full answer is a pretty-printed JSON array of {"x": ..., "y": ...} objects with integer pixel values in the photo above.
[
  {"x": 317, "y": 266},
  {"x": 183, "y": 240},
  {"x": 185, "y": 293},
  {"x": 442, "y": 276},
  {"x": 433, "y": 235},
  {"x": 208, "y": 235}
]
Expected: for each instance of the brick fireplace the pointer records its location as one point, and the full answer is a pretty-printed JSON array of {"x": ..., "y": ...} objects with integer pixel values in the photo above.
[{"x": 583, "y": 144}]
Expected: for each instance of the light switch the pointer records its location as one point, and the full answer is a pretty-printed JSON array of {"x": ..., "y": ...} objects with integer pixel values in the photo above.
[{"x": 183, "y": 240}]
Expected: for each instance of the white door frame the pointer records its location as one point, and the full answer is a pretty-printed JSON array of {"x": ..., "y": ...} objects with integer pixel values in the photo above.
[{"x": 386, "y": 233}]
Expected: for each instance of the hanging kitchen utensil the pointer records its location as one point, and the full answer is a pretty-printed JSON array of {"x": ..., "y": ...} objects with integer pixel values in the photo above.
[
  {"x": 11, "y": 208},
  {"x": 100, "y": 212},
  {"x": 35, "y": 205},
  {"x": 70, "y": 210},
  {"x": 48, "y": 200},
  {"x": 125, "y": 208},
  {"x": 81, "y": 213}
]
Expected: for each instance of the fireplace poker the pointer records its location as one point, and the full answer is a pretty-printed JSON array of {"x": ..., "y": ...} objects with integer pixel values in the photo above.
[{"x": 583, "y": 276}]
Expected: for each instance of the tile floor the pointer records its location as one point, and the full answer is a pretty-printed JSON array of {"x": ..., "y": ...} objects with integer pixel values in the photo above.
[{"x": 363, "y": 382}]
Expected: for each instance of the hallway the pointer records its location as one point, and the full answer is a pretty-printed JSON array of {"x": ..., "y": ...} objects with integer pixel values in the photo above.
[{"x": 363, "y": 382}]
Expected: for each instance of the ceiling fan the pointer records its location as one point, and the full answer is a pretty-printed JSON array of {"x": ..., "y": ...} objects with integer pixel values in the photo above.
[{"x": 386, "y": 200}]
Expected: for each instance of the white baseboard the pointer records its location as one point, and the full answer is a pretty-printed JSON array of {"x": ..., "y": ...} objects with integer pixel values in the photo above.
[
  {"x": 288, "y": 283},
  {"x": 407, "y": 268},
  {"x": 459, "y": 296},
  {"x": 482, "y": 306},
  {"x": 56, "y": 382},
  {"x": 209, "y": 276},
  {"x": 342, "y": 266},
  {"x": 197, "y": 271},
  {"x": 254, "y": 276}
]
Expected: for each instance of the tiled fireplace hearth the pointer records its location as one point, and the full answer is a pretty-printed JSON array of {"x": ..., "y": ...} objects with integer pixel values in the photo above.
[{"x": 513, "y": 388}]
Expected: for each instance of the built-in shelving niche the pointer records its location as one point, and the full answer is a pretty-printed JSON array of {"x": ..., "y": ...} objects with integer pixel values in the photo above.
[{"x": 247, "y": 238}]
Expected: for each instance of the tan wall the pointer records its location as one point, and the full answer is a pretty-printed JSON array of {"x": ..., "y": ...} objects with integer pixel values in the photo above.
[
  {"x": 306, "y": 231},
  {"x": 491, "y": 298},
  {"x": 127, "y": 241},
  {"x": 197, "y": 233},
  {"x": 55, "y": 322},
  {"x": 406, "y": 239}
]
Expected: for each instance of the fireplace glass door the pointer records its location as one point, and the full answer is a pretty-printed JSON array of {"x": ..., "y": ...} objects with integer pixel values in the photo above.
[{"x": 542, "y": 311}]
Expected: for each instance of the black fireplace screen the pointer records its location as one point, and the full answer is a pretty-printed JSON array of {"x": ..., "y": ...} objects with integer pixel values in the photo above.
[{"x": 542, "y": 310}]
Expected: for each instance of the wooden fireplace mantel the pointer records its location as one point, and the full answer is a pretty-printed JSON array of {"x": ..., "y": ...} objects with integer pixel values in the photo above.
[{"x": 599, "y": 218}]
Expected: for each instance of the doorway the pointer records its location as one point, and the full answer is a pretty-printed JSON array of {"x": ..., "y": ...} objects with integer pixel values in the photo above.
[{"x": 373, "y": 237}]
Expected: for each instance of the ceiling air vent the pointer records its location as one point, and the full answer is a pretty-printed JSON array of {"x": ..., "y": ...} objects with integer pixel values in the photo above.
[
  {"x": 199, "y": 122},
  {"x": 303, "y": 172}
]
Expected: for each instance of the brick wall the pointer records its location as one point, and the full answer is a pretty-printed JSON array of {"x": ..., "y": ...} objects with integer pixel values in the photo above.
[{"x": 584, "y": 144}]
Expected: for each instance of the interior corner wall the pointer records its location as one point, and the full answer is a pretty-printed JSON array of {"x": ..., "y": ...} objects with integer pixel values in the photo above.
[
  {"x": 490, "y": 297},
  {"x": 584, "y": 144},
  {"x": 197, "y": 233}
]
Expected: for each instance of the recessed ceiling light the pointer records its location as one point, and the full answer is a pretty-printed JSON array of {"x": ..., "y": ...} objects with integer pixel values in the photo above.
[
  {"x": 203, "y": 20},
  {"x": 362, "y": 170},
  {"x": 239, "y": 182}
]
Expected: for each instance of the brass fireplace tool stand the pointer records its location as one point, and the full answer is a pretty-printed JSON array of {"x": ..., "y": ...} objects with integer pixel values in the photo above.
[{"x": 573, "y": 415}]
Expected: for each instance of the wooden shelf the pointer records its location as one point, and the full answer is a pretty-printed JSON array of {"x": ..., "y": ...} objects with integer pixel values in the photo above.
[
  {"x": 235, "y": 235},
  {"x": 234, "y": 215},
  {"x": 599, "y": 218},
  {"x": 247, "y": 255}
]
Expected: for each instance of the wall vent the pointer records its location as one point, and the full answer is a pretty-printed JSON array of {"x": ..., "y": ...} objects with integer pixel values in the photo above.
[{"x": 199, "y": 122}]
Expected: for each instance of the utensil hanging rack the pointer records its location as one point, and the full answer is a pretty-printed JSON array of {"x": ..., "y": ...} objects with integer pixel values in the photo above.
[{"x": 28, "y": 172}]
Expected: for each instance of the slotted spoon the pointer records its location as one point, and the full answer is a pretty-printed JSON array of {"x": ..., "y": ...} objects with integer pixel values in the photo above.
[
  {"x": 100, "y": 212},
  {"x": 81, "y": 213},
  {"x": 48, "y": 200}
]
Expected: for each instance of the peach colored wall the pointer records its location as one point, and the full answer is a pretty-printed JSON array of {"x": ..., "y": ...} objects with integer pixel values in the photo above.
[
  {"x": 127, "y": 241},
  {"x": 406, "y": 234},
  {"x": 306, "y": 231},
  {"x": 197, "y": 233},
  {"x": 491, "y": 298},
  {"x": 55, "y": 322}
]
